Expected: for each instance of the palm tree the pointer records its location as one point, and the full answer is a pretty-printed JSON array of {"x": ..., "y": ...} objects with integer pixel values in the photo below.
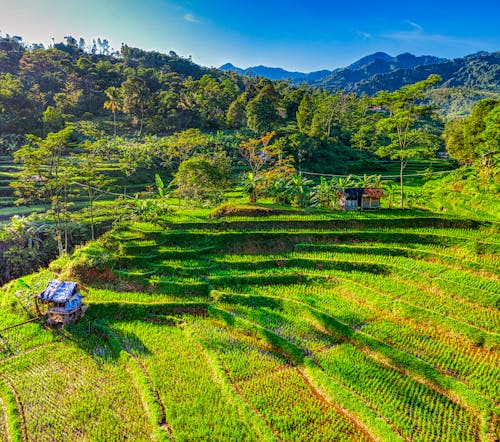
[{"x": 114, "y": 102}]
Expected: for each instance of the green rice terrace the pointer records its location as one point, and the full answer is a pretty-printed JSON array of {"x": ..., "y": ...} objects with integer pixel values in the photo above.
[{"x": 341, "y": 327}]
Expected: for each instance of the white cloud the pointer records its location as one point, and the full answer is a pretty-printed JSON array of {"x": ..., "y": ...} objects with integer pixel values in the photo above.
[
  {"x": 414, "y": 25},
  {"x": 365, "y": 35},
  {"x": 417, "y": 34},
  {"x": 191, "y": 18}
]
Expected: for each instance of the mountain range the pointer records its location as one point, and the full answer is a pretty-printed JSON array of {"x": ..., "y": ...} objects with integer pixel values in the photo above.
[{"x": 380, "y": 71}]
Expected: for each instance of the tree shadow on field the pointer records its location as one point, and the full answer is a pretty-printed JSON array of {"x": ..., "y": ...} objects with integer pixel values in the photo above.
[
  {"x": 314, "y": 264},
  {"x": 397, "y": 359},
  {"x": 95, "y": 335},
  {"x": 251, "y": 301}
]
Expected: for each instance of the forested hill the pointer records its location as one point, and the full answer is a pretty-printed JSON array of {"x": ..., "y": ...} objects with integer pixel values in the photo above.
[
  {"x": 43, "y": 88},
  {"x": 137, "y": 92},
  {"x": 380, "y": 71},
  {"x": 479, "y": 71}
]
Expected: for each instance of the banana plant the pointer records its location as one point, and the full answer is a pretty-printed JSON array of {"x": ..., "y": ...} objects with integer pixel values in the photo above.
[
  {"x": 324, "y": 194},
  {"x": 299, "y": 189},
  {"x": 250, "y": 182}
]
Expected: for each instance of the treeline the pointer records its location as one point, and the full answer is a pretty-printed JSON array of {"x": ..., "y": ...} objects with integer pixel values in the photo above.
[{"x": 135, "y": 93}]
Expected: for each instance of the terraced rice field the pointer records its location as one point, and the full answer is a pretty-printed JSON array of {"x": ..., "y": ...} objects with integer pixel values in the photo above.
[{"x": 281, "y": 329}]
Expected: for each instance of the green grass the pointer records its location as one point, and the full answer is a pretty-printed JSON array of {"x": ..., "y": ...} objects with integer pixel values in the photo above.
[{"x": 320, "y": 326}]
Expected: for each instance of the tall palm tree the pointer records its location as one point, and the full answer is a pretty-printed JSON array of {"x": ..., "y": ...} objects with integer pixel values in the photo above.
[{"x": 114, "y": 102}]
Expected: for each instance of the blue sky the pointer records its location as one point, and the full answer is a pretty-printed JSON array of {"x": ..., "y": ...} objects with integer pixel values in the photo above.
[{"x": 302, "y": 35}]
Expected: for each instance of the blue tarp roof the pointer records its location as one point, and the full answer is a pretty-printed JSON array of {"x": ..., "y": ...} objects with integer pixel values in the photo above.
[{"x": 58, "y": 291}]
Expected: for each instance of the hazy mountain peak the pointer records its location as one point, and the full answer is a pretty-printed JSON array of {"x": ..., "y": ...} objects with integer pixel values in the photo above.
[
  {"x": 229, "y": 67},
  {"x": 368, "y": 59}
]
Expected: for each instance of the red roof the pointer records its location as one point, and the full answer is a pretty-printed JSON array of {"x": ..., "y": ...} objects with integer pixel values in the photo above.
[{"x": 373, "y": 193}]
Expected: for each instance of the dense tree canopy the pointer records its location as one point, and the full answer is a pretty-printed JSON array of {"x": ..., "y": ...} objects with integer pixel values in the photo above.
[{"x": 475, "y": 138}]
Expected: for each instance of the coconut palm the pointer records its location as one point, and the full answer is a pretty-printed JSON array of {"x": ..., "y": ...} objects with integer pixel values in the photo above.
[{"x": 114, "y": 102}]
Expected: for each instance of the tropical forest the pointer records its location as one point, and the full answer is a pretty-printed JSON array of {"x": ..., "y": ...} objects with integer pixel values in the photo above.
[{"x": 192, "y": 253}]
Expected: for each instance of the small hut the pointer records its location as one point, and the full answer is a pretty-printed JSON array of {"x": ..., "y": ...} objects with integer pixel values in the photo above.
[
  {"x": 354, "y": 198},
  {"x": 370, "y": 200},
  {"x": 65, "y": 302},
  {"x": 350, "y": 198}
]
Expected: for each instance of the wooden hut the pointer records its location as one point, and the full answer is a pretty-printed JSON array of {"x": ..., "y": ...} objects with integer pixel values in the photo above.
[
  {"x": 370, "y": 200},
  {"x": 65, "y": 302},
  {"x": 355, "y": 198},
  {"x": 350, "y": 198}
]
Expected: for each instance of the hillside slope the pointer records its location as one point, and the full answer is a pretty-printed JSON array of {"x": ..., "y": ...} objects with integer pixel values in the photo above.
[{"x": 343, "y": 326}]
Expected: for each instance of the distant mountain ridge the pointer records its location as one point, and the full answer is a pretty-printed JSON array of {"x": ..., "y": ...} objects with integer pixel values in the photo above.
[
  {"x": 376, "y": 63},
  {"x": 380, "y": 71},
  {"x": 275, "y": 73}
]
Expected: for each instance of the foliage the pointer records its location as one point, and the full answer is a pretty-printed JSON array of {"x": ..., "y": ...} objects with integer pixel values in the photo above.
[
  {"x": 26, "y": 246},
  {"x": 46, "y": 176},
  {"x": 469, "y": 191},
  {"x": 262, "y": 111},
  {"x": 325, "y": 194},
  {"x": 474, "y": 140},
  {"x": 257, "y": 154},
  {"x": 200, "y": 179},
  {"x": 298, "y": 189},
  {"x": 402, "y": 125}
]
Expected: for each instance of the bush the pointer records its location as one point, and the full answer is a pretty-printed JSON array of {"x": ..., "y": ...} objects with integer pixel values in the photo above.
[{"x": 226, "y": 210}]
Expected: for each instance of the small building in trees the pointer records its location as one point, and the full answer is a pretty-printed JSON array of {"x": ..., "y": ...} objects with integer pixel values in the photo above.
[
  {"x": 64, "y": 300},
  {"x": 359, "y": 198}
]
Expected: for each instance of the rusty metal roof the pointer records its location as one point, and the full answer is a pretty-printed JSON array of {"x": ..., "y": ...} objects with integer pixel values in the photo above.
[{"x": 373, "y": 193}]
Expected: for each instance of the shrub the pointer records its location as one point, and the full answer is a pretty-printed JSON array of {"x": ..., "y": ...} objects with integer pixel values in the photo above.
[{"x": 226, "y": 210}]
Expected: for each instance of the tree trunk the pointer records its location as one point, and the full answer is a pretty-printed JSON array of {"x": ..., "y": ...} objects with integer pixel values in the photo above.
[
  {"x": 401, "y": 185},
  {"x": 91, "y": 208},
  {"x": 57, "y": 226},
  {"x": 252, "y": 197},
  {"x": 65, "y": 219},
  {"x": 114, "y": 122},
  {"x": 142, "y": 119}
]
